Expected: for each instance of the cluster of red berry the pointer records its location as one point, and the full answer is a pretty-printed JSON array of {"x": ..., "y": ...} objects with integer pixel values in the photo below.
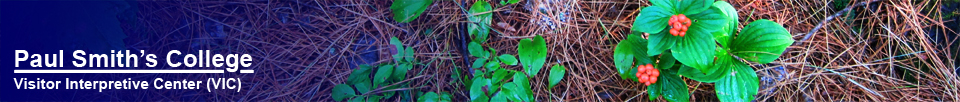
[
  {"x": 679, "y": 24},
  {"x": 647, "y": 74}
]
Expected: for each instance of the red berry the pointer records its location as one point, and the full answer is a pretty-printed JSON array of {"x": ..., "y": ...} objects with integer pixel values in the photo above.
[
  {"x": 679, "y": 24},
  {"x": 672, "y": 19},
  {"x": 682, "y": 17},
  {"x": 674, "y": 32}
]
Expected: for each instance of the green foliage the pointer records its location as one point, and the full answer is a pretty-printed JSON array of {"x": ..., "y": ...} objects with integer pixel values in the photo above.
[
  {"x": 739, "y": 86},
  {"x": 508, "y": 59},
  {"x": 627, "y": 53},
  {"x": 385, "y": 74},
  {"x": 556, "y": 74},
  {"x": 479, "y": 62},
  {"x": 360, "y": 74},
  {"x": 476, "y": 89},
  {"x": 490, "y": 83},
  {"x": 761, "y": 41},
  {"x": 342, "y": 91},
  {"x": 481, "y": 20},
  {"x": 652, "y": 19},
  {"x": 382, "y": 74},
  {"x": 406, "y": 10},
  {"x": 504, "y": 2},
  {"x": 476, "y": 50},
  {"x": 403, "y": 54},
  {"x": 533, "y": 54},
  {"x": 670, "y": 86},
  {"x": 434, "y": 97},
  {"x": 724, "y": 37},
  {"x": 522, "y": 90},
  {"x": 708, "y": 53}
]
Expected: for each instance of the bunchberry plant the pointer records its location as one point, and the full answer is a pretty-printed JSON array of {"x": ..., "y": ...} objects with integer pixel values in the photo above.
[
  {"x": 490, "y": 79},
  {"x": 702, "y": 36},
  {"x": 360, "y": 87}
]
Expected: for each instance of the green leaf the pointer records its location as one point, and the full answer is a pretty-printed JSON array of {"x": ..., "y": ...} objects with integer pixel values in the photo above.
[
  {"x": 400, "y": 72},
  {"x": 688, "y": 7},
  {"x": 342, "y": 91},
  {"x": 724, "y": 37},
  {"x": 521, "y": 80},
  {"x": 556, "y": 74},
  {"x": 638, "y": 42},
  {"x": 476, "y": 50},
  {"x": 374, "y": 99},
  {"x": 761, "y": 41},
  {"x": 651, "y": 20},
  {"x": 696, "y": 49},
  {"x": 478, "y": 73},
  {"x": 408, "y": 54},
  {"x": 479, "y": 62},
  {"x": 499, "y": 97},
  {"x": 715, "y": 72},
  {"x": 666, "y": 61},
  {"x": 710, "y": 20},
  {"x": 654, "y": 90},
  {"x": 361, "y": 74},
  {"x": 383, "y": 73},
  {"x": 481, "y": 29},
  {"x": 445, "y": 97},
  {"x": 665, "y": 4},
  {"x": 406, "y": 10},
  {"x": 533, "y": 54},
  {"x": 628, "y": 54},
  {"x": 697, "y": 75},
  {"x": 429, "y": 97},
  {"x": 509, "y": 91},
  {"x": 623, "y": 58},
  {"x": 523, "y": 89},
  {"x": 508, "y": 59},
  {"x": 490, "y": 52},
  {"x": 660, "y": 42},
  {"x": 513, "y": 1},
  {"x": 362, "y": 87},
  {"x": 500, "y": 75},
  {"x": 672, "y": 87},
  {"x": 492, "y": 65},
  {"x": 481, "y": 99},
  {"x": 396, "y": 42},
  {"x": 476, "y": 89},
  {"x": 358, "y": 99},
  {"x": 740, "y": 85}
]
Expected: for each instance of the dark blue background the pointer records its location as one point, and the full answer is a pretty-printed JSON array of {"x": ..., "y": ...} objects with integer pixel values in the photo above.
[{"x": 44, "y": 27}]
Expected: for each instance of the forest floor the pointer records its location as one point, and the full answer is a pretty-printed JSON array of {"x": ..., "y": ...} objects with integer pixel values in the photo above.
[{"x": 850, "y": 50}]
